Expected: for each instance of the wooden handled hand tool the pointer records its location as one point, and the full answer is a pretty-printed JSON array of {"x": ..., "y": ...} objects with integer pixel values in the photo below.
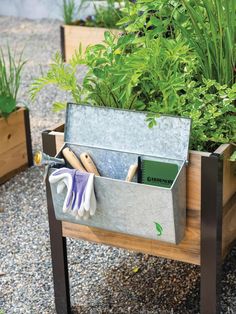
[
  {"x": 88, "y": 163},
  {"x": 131, "y": 173},
  {"x": 72, "y": 159}
]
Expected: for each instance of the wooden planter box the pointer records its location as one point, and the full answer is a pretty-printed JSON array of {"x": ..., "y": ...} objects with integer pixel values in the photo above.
[
  {"x": 72, "y": 36},
  {"x": 189, "y": 249},
  {"x": 15, "y": 148},
  {"x": 210, "y": 230}
]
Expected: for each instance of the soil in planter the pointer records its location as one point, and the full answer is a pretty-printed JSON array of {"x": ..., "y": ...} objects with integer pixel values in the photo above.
[
  {"x": 211, "y": 146},
  {"x": 91, "y": 21}
]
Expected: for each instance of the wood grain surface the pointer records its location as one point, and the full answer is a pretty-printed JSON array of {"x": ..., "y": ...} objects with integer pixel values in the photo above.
[
  {"x": 13, "y": 147},
  {"x": 229, "y": 226},
  {"x": 76, "y": 35},
  {"x": 189, "y": 248},
  {"x": 186, "y": 251}
]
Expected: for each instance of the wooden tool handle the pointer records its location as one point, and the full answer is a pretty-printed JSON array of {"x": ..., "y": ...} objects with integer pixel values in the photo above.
[
  {"x": 89, "y": 164},
  {"x": 72, "y": 159},
  {"x": 131, "y": 173}
]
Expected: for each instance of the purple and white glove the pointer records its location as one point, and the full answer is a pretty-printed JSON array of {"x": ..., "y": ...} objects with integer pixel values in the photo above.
[{"x": 80, "y": 198}]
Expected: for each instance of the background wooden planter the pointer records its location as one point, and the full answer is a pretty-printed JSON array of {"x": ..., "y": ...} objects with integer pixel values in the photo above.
[
  {"x": 15, "y": 148},
  {"x": 210, "y": 230},
  {"x": 72, "y": 36}
]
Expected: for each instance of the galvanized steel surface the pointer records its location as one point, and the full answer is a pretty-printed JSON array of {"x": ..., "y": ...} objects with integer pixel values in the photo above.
[
  {"x": 114, "y": 164},
  {"x": 132, "y": 208},
  {"x": 127, "y": 131}
]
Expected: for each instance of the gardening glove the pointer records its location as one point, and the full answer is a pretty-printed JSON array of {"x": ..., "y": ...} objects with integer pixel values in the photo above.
[
  {"x": 87, "y": 206},
  {"x": 64, "y": 177},
  {"x": 80, "y": 198}
]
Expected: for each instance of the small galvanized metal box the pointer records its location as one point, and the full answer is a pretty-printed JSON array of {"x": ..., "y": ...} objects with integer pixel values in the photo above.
[{"x": 114, "y": 139}]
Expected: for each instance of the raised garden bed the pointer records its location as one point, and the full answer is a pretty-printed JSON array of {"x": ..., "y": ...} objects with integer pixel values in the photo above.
[
  {"x": 72, "y": 36},
  {"x": 15, "y": 148},
  {"x": 210, "y": 230},
  {"x": 189, "y": 249}
]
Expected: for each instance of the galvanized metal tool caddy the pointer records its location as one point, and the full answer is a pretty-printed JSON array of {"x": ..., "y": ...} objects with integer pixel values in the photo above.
[
  {"x": 114, "y": 139},
  {"x": 83, "y": 130}
]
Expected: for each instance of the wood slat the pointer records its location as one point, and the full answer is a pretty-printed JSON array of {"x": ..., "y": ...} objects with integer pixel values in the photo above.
[
  {"x": 12, "y": 130},
  {"x": 194, "y": 179},
  {"x": 74, "y": 35},
  {"x": 186, "y": 251},
  {"x": 229, "y": 198},
  {"x": 13, "y": 148},
  {"x": 59, "y": 139},
  {"x": 189, "y": 248},
  {"x": 229, "y": 172},
  {"x": 229, "y": 225}
]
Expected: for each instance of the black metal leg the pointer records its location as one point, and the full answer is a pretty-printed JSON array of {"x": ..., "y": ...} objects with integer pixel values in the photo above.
[
  {"x": 211, "y": 233},
  {"x": 28, "y": 138},
  {"x": 62, "y": 34},
  {"x": 58, "y": 246}
]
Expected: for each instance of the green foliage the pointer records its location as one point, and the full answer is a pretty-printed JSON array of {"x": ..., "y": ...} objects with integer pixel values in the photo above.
[
  {"x": 212, "y": 110},
  {"x": 108, "y": 16},
  {"x": 69, "y": 11},
  {"x": 133, "y": 79},
  {"x": 105, "y": 16},
  {"x": 155, "y": 65},
  {"x": 211, "y": 107},
  {"x": 208, "y": 26},
  {"x": 10, "y": 79},
  {"x": 61, "y": 75},
  {"x": 233, "y": 157},
  {"x": 212, "y": 34}
]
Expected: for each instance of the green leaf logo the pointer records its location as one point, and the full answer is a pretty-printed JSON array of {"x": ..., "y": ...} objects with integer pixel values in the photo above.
[{"x": 159, "y": 229}]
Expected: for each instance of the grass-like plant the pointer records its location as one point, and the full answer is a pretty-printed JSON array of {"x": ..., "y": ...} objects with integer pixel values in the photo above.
[
  {"x": 212, "y": 34},
  {"x": 10, "y": 80},
  {"x": 108, "y": 16},
  {"x": 69, "y": 11},
  {"x": 208, "y": 26},
  {"x": 105, "y": 16}
]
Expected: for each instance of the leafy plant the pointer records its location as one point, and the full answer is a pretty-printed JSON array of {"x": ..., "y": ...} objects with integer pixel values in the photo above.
[
  {"x": 208, "y": 26},
  {"x": 105, "y": 16},
  {"x": 233, "y": 157},
  {"x": 123, "y": 77},
  {"x": 108, "y": 16},
  {"x": 61, "y": 75},
  {"x": 10, "y": 80},
  {"x": 152, "y": 66},
  {"x": 213, "y": 114}
]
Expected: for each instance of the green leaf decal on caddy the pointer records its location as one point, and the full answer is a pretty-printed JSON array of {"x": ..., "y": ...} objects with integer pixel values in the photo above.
[{"x": 159, "y": 229}]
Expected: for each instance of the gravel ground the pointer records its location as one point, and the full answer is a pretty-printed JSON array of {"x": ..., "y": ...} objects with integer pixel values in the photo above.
[{"x": 102, "y": 278}]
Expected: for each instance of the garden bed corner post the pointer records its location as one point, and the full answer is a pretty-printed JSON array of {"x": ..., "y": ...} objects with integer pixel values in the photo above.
[
  {"x": 58, "y": 243},
  {"x": 211, "y": 233}
]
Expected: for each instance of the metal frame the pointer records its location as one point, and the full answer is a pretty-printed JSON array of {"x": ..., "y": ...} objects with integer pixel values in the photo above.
[
  {"x": 211, "y": 233},
  {"x": 58, "y": 242},
  {"x": 28, "y": 137},
  {"x": 211, "y": 237},
  {"x": 62, "y": 36}
]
